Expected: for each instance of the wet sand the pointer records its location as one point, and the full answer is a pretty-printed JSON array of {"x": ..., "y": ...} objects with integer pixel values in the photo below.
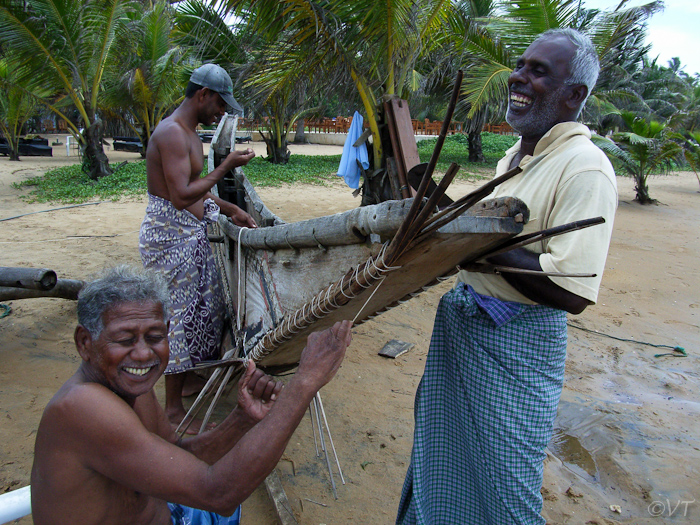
[{"x": 628, "y": 421}]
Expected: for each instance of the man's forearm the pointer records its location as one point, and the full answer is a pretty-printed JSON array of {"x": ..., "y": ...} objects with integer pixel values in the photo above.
[
  {"x": 212, "y": 445},
  {"x": 194, "y": 192},
  {"x": 540, "y": 289},
  {"x": 241, "y": 470}
]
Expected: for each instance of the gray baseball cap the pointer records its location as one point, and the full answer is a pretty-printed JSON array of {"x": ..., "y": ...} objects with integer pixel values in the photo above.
[{"x": 215, "y": 78}]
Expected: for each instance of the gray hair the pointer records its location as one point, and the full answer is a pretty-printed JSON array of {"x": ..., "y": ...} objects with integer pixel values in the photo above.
[
  {"x": 585, "y": 65},
  {"x": 117, "y": 285}
]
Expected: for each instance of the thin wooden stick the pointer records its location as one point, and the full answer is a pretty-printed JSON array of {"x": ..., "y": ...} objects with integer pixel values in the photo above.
[
  {"x": 313, "y": 428},
  {"x": 427, "y": 175},
  {"x": 196, "y": 406},
  {"x": 217, "y": 396},
  {"x": 488, "y": 268},
  {"x": 519, "y": 242},
  {"x": 427, "y": 209},
  {"x": 325, "y": 449},
  {"x": 204, "y": 365},
  {"x": 461, "y": 205},
  {"x": 330, "y": 437},
  {"x": 198, "y": 402}
]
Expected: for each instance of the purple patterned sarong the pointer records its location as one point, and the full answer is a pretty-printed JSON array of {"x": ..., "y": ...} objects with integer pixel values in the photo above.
[{"x": 174, "y": 242}]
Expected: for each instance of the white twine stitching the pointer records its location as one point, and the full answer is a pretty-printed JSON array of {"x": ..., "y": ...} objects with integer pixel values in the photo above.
[{"x": 373, "y": 269}]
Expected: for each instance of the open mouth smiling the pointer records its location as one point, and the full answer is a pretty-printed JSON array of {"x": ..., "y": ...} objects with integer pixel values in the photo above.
[
  {"x": 140, "y": 371},
  {"x": 520, "y": 101}
]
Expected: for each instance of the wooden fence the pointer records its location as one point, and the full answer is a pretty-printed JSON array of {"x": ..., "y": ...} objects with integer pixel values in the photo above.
[{"x": 342, "y": 125}]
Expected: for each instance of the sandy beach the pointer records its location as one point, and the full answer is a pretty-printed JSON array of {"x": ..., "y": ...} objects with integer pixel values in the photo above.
[{"x": 626, "y": 446}]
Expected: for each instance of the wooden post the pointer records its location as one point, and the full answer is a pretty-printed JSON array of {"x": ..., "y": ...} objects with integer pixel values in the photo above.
[{"x": 273, "y": 484}]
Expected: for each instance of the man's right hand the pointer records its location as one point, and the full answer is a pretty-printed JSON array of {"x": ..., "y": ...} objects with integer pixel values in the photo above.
[
  {"x": 324, "y": 353},
  {"x": 238, "y": 158}
]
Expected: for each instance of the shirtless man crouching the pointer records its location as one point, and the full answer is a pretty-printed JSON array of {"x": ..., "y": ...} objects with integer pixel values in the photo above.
[{"x": 105, "y": 452}]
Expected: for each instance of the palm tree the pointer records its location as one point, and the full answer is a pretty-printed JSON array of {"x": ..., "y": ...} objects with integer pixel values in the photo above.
[
  {"x": 376, "y": 43},
  {"x": 252, "y": 60},
  {"x": 496, "y": 42},
  {"x": 691, "y": 151},
  {"x": 66, "y": 45},
  {"x": 16, "y": 106},
  {"x": 145, "y": 83},
  {"x": 645, "y": 149},
  {"x": 469, "y": 19}
]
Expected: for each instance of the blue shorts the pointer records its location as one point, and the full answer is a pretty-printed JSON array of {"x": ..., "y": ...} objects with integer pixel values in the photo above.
[{"x": 182, "y": 515}]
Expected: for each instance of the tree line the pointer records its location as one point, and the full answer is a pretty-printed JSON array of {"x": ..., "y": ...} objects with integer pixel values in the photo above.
[{"x": 92, "y": 62}]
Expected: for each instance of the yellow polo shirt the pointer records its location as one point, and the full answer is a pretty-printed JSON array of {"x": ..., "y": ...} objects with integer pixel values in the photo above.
[{"x": 567, "y": 179}]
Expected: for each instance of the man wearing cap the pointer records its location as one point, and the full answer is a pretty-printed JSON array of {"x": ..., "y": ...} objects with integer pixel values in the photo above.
[{"x": 173, "y": 238}]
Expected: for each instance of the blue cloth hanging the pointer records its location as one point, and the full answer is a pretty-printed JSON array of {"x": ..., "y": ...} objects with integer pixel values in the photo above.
[{"x": 349, "y": 169}]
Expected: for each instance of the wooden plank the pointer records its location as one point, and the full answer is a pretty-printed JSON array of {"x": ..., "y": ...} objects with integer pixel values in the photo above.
[
  {"x": 396, "y": 149},
  {"x": 273, "y": 484},
  {"x": 405, "y": 135}
]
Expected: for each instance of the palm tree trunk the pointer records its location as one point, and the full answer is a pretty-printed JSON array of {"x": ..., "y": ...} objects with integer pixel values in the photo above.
[
  {"x": 13, "y": 146},
  {"x": 641, "y": 187},
  {"x": 476, "y": 152},
  {"x": 642, "y": 191},
  {"x": 300, "y": 136},
  {"x": 95, "y": 161}
]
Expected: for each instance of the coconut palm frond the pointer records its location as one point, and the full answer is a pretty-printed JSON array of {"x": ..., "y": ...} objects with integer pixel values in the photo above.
[
  {"x": 612, "y": 150},
  {"x": 486, "y": 82}
]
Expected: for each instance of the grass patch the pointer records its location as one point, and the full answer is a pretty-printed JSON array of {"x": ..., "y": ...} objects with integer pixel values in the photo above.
[
  {"x": 456, "y": 149},
  {"x": 70, "y": 185},
  {"x": 301, "y": 169}
]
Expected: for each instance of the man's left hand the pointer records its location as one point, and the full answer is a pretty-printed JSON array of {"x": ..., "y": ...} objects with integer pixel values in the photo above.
[
  {"x": 257, "y": 392},
  {"x": 237, "y": 215}
]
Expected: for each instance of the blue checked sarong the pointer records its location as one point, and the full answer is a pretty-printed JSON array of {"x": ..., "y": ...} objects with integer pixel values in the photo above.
[
  {"x": 484, "y": 412},
  {"x": 182, "y": 515},
  {"x": 174, "y": 243}
]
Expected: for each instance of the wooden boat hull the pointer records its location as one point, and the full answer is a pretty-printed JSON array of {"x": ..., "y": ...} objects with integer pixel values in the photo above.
[{"x": 279, "y": 272}]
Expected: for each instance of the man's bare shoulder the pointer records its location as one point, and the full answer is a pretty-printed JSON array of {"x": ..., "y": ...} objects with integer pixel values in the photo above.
[
  {"x": 171, "y": 132},
  {"x": 78, "y": 435},
  {"x": 80, "y": 402}
]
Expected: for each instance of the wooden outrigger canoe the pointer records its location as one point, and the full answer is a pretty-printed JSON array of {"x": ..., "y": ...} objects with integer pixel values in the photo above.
[{"x": 284, "y": 281}]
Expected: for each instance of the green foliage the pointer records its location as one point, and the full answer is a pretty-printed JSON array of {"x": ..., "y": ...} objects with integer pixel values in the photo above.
[
  {"x": 301, "y": 169},
  {"x": 143, "y": 84},
  {"x": 644, "y": 150},
  {"x": 69, "y": 184},
  {"x": 66, "y": 46},
  {"x": 455, "y": 149}
]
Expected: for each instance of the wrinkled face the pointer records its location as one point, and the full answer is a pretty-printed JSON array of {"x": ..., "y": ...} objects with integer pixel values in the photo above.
[
  {"x": 132, "y": 351},
  {"x": 538, "y": 92}
]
